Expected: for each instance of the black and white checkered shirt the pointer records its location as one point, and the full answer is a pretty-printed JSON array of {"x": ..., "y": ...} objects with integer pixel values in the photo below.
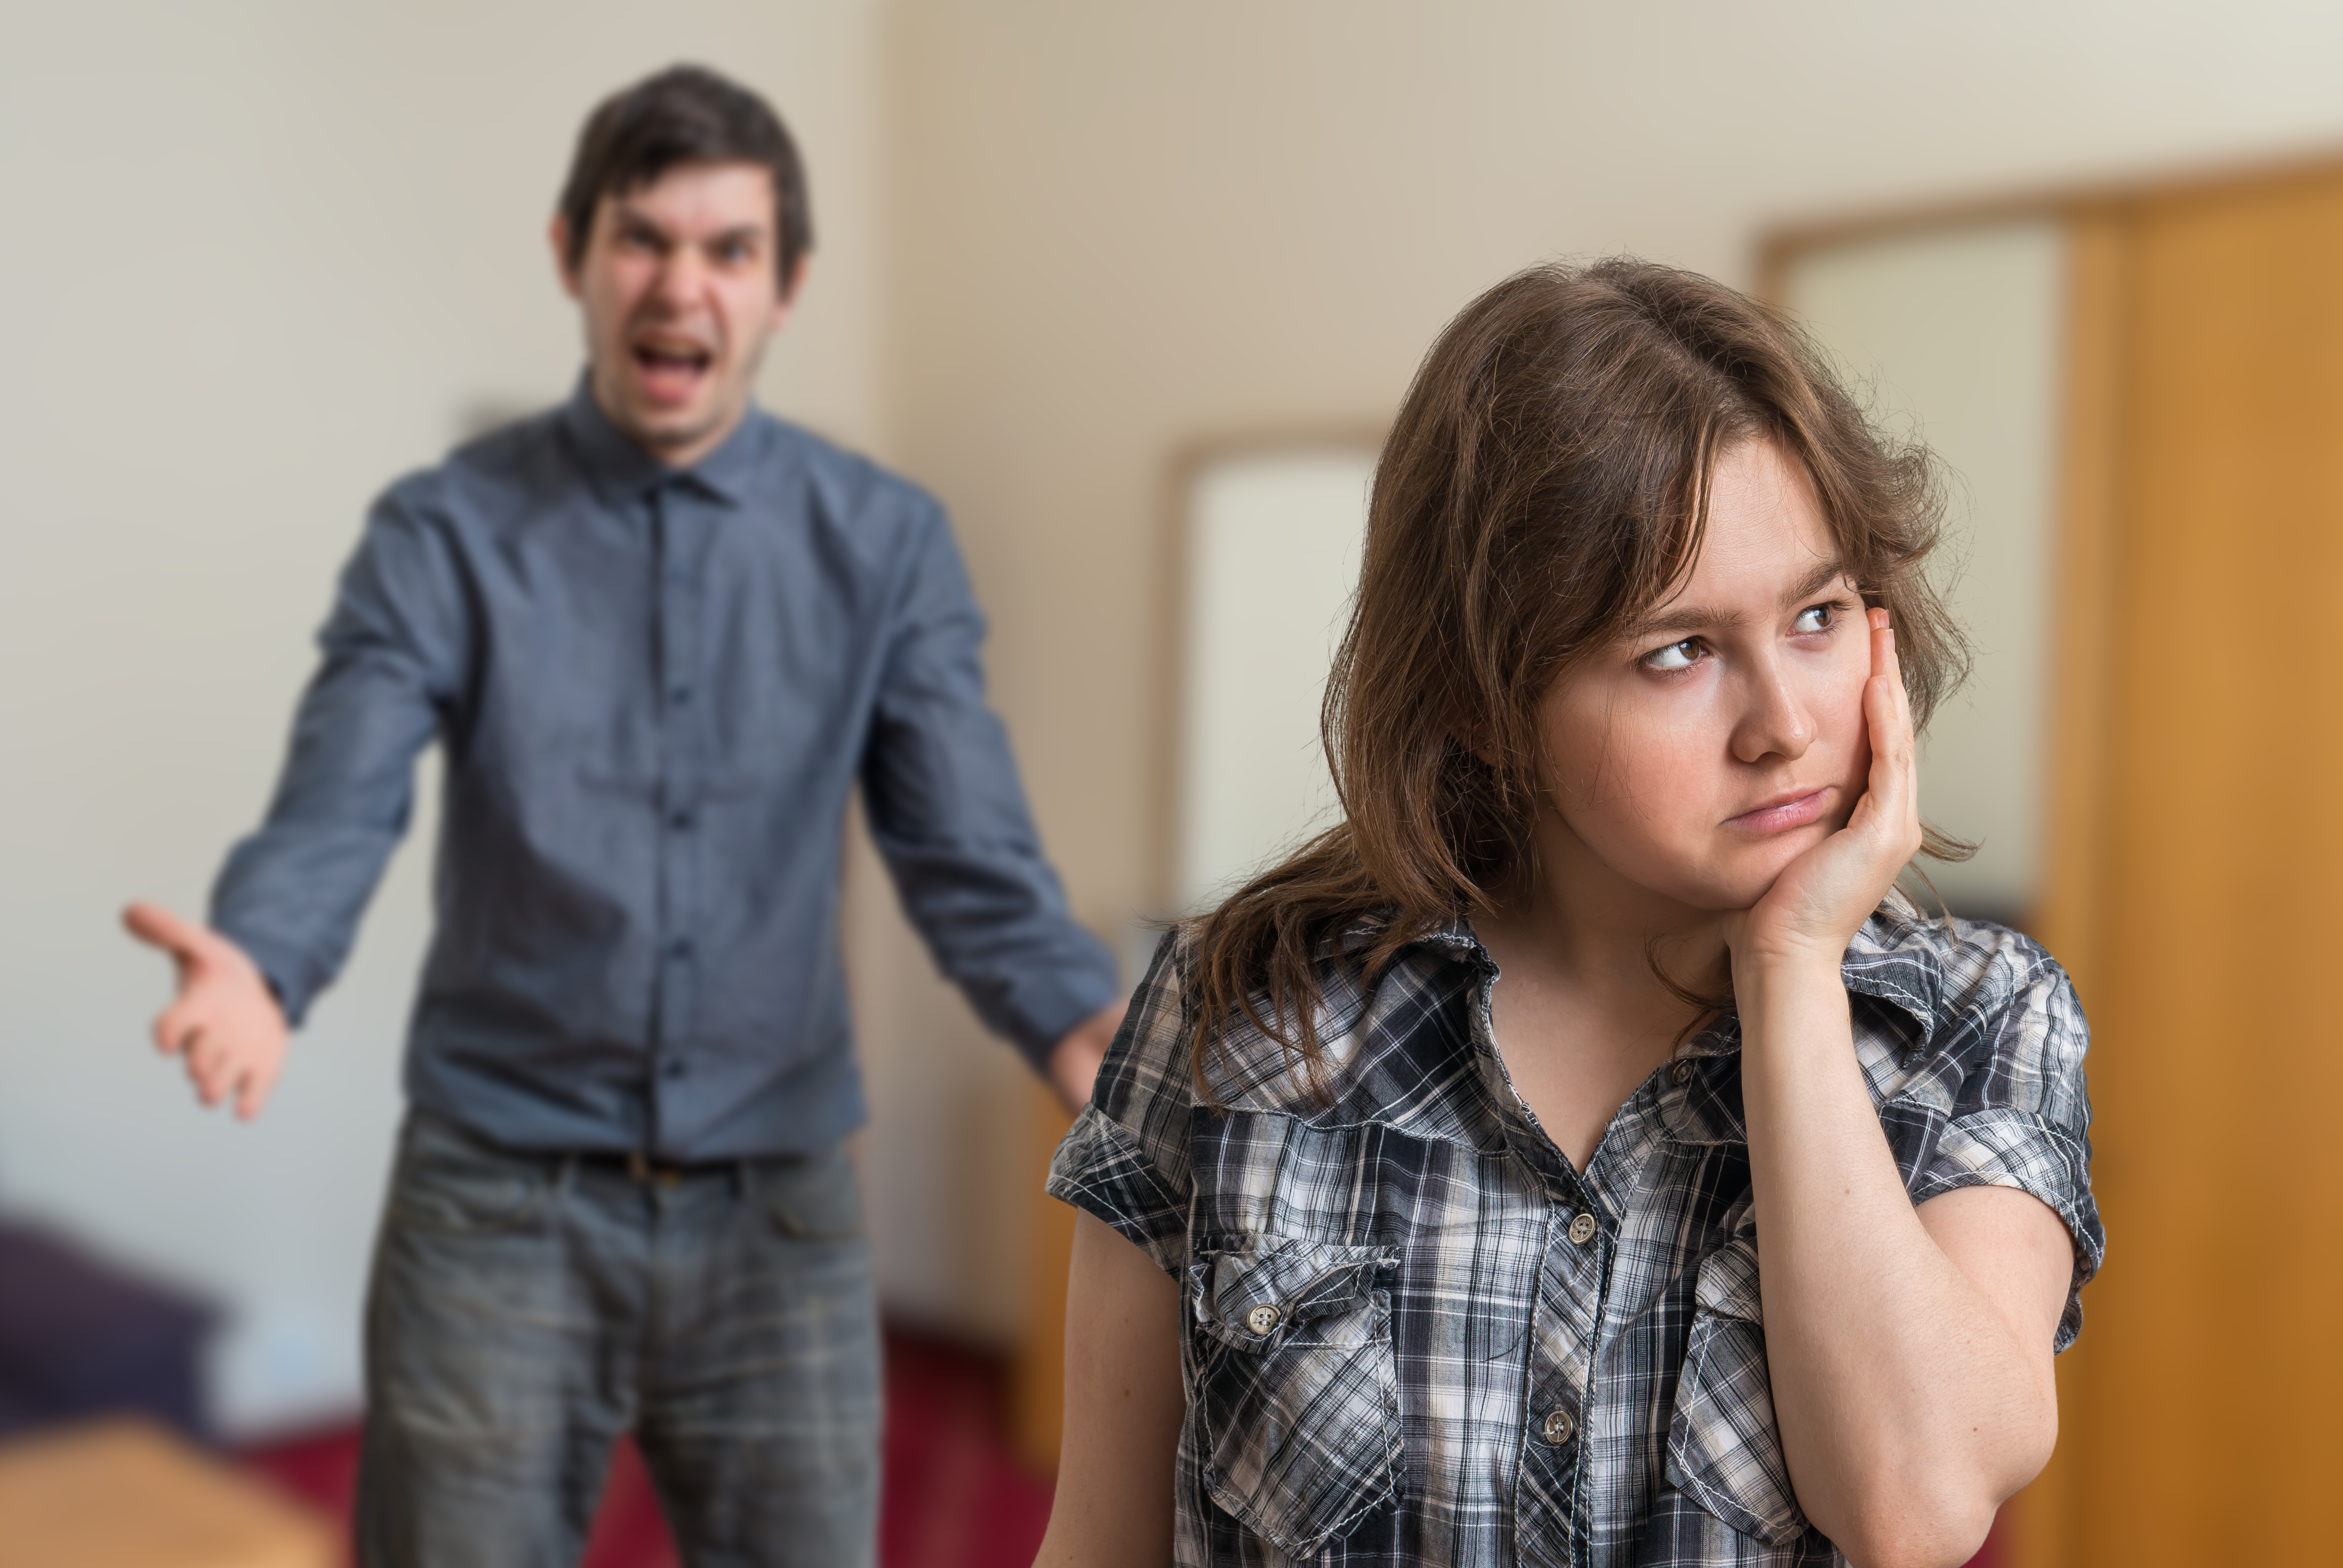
[{"x": 1414, "y": 1334}]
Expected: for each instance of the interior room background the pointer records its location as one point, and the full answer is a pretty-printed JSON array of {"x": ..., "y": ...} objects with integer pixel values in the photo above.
[{"x": 265, "y": 256}]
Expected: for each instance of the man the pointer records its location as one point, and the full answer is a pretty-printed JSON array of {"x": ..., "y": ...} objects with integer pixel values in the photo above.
[{"x": 660, "y": 636}]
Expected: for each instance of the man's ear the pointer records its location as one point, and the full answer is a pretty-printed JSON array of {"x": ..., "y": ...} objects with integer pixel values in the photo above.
[
  {"x": 559, "y": 234},
  {"x": 787, "y": 306}
]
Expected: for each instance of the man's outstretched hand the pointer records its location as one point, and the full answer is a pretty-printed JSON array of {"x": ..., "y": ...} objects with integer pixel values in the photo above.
[
  {"x": 1075, "y": 1060},
  {"x": 224, "y": 1020}
]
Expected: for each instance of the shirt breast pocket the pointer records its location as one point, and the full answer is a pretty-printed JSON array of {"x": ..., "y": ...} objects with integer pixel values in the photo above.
[
  {"x": 1725, "y": 1452},
  {"x": 1293, "y": 1408}
]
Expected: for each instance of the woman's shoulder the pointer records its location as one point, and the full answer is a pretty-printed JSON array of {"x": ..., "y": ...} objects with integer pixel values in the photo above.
[
  {"x": 1379, "y": 1010},
  {"x": 1968, "y": 1004}
]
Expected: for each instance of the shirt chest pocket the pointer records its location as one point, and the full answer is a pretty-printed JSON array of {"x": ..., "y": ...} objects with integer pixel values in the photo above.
[
  {"x": 1725, "y": 1452},
  {"x": 1294, "y": 1399}
]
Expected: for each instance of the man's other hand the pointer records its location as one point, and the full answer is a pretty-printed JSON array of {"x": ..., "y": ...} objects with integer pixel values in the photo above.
[
  {"x": 224, "y": 1022},
  {"x": 1075, "y": 1060}
]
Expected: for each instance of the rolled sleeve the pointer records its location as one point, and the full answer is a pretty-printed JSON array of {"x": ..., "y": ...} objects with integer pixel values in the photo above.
[
  {"x": 1126, "y": 1158},
  {"x": 2025, "y": 1123},
  {"x": 2008, "y": 1148}
]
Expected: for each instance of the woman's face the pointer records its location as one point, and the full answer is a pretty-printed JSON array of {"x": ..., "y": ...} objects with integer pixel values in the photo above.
[{"x": 1700, "y": 754}]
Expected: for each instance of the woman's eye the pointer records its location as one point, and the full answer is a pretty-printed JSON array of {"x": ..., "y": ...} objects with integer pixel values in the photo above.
[
  {"x": 1816, "y": 617},
  {"x": 1675, "y": 655}
]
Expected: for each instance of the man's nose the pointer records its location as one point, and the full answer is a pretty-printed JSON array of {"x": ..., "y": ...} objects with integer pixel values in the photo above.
[
  {"x": 1776, "y": 722},
  {"x": 680, "y": 276}
]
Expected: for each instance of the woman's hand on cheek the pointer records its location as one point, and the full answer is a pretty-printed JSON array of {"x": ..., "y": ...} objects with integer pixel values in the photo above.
[{"x": 1822, "y": 897}]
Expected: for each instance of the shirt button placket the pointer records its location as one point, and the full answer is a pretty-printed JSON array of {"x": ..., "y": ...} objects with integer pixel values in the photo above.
[
  {"x": 1570, "y": 1291},
  {"x": 678, "y": 637}
]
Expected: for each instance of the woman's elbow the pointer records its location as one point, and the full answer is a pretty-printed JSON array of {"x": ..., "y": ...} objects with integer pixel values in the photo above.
[
  {"x": 1940, "y": 1520},
  {"x": 1933, "y": 1533}
]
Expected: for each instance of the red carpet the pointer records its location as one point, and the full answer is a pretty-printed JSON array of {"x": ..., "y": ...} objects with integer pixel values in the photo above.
[{"x": 952, "y": 1496}]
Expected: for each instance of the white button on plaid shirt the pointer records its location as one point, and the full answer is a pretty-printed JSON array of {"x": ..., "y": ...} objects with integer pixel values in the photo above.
[{"x": 1414, "y": 1334}]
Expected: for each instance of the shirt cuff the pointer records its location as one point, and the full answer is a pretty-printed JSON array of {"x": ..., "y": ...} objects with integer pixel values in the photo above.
[
  {"x": 1099, "y": 1168},
  {"x": 2010, "y": 1148}
]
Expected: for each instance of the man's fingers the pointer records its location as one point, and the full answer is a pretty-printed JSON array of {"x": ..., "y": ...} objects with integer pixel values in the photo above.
[
  {"x": 173, "y": 1027},
  {"x": 158, "y": 927},
  {"x": 205, "y": 1063},
  {"x": 253, "y": 1092}
]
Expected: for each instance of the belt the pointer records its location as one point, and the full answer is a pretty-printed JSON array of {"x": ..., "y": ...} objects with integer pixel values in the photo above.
[{"x": 640, "y": 1167}]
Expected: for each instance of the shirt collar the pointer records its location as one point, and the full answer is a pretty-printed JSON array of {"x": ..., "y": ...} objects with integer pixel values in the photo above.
[
  {"x": 1882, "y": 961},
  {"x": 620, "y": 470}
]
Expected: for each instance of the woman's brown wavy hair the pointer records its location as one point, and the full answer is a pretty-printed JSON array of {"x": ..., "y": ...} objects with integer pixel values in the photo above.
[{"x": 1544, "y": 485}]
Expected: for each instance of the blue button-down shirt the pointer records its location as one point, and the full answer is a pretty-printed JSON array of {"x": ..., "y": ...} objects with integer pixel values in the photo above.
[{"x": 655, "y": 688}]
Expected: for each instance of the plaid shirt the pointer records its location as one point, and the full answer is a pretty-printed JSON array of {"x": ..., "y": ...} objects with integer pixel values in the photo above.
[{"x": 1414, "y": 1334}]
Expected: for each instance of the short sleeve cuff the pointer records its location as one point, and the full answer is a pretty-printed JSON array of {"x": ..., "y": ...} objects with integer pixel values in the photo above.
[
  {"x": 1100, "y": 1170},
  {"x": 2009, "y": 1147}
]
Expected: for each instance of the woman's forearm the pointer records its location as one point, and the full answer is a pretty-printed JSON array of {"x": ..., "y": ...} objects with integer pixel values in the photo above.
[{"x": 1908, "y": 1406}]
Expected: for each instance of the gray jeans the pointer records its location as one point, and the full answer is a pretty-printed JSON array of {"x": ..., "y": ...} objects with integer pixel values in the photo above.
[{"x": 526, "y": 1310}]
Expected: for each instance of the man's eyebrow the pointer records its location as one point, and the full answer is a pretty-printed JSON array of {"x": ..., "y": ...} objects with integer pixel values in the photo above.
[{"x": 1688, "y": 618}]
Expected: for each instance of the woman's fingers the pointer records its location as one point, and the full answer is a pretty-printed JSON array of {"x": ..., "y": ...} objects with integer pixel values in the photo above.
[{"x": 1894, "y": 752}]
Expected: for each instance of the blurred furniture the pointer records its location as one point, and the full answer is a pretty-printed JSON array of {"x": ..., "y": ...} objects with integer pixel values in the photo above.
[
  {"x": 129, "y": 1493},
  {"x": 79, "y": 1337},
  {"x": 2189, "y": 854}
]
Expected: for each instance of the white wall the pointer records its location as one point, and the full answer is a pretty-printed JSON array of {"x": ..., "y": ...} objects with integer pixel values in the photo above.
[{"x": 261, "y": 258}]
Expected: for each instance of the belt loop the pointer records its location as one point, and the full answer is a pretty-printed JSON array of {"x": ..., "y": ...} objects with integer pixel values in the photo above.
[{"x": 565, "y": 1175}]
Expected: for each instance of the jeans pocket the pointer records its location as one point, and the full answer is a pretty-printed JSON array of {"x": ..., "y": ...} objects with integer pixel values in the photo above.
[
  {"x": 1724, "y": 1450},
  {"x": 448, "y": 1181},
  {"x": 813, "y": 1199},
  {"x": 1294, "y": 1409}
]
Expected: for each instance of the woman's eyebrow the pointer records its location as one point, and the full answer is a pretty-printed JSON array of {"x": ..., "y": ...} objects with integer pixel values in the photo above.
[
  {"x": 1686, "y": 618},
  {"x": 1821, "y": 578}
]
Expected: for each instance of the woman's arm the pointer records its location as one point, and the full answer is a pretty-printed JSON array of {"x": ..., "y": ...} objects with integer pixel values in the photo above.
[
  {"x": 1125, "y": 1403},
  {"x": 1909, "y": 1352}
]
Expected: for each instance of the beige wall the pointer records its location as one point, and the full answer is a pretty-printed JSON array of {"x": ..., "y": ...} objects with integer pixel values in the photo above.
[{"x": 262, "y": 256}]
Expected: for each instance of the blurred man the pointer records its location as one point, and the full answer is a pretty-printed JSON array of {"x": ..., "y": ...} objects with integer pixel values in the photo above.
[{"x": 660, "y": 635}]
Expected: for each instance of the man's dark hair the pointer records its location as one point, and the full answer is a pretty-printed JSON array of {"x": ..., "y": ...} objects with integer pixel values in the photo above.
[{"x": 685, "y": 114}]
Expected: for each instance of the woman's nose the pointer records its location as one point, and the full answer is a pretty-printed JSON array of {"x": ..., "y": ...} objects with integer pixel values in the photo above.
[{"x": 1778, "y": 722}]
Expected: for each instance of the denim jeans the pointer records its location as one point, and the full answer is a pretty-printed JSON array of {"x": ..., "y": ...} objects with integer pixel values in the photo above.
[{"x": 526, "y": 1310}]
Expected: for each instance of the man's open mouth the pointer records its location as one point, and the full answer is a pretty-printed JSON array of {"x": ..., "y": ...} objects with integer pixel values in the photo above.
[{"x": 671, "y": 371}]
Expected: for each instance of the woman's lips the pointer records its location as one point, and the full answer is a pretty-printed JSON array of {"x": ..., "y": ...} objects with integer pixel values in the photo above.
[{"x": 1783, "y": 812}]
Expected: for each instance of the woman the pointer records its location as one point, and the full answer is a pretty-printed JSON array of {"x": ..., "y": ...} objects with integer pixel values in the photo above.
[{"x": 1585, "y": 1153}]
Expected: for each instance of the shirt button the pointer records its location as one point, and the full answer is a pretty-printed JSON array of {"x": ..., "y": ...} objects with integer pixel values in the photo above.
[
  {"x": 673, "y": 1067},
  {"x": 1582, "y": 1230},
  {"x": 680, "y": 821},
  {"x": 680, "y": 696},
  {"x": 1682, "y": 1071},
  {"x": 1262, "y": 1319},
  {"x": 1557, "y": 1427},
  {"x": 679, "y": 948}
]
